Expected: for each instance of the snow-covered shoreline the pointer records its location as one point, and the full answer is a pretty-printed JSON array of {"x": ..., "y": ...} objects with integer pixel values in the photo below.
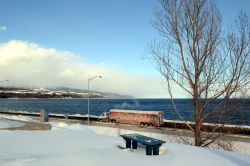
[
  {"x": 240, "y": 143},
  {"x": 77, "y": 144}
]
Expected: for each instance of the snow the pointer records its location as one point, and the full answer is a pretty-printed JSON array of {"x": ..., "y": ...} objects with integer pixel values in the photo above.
[
  {"x": 86, "y": 115},
  {"x": 4, "y": 123},
  {"x": 17, "y": 117},
  {"x": 73, "y": 145},
  {"x": 241, "y": 147}
]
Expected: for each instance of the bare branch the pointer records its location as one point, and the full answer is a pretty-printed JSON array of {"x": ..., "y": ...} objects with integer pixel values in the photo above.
[{"x": 195, "y": 56}]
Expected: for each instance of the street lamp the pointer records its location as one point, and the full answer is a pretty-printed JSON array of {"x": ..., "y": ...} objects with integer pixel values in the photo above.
[{"x": 89, "y": 80}]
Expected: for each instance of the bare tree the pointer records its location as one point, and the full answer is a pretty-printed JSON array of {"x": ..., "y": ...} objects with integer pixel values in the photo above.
[{"x": 209, "y": 66}]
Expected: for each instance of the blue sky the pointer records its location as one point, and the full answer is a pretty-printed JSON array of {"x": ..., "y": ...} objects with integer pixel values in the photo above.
[{"x": 112, "y": 33}]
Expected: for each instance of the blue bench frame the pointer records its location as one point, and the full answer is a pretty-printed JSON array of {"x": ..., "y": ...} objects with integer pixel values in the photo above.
[{"x": 152, "y": 144}]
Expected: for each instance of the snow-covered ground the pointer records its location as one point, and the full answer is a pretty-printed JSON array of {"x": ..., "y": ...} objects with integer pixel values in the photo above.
[
  {"x": 237, "y": 146},
  {"x": 4, "y": 123},
  {"x": 73, "y": 145},
  {"x": 17, "y": 117}
]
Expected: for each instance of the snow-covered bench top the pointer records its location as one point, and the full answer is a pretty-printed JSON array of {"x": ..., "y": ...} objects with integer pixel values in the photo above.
[
  {"x": 152, "y": 144},
  {"x": 143, "y": 139}
]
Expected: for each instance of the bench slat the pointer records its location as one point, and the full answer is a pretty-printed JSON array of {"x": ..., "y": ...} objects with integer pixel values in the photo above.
[{"x": 143, "y": 139}]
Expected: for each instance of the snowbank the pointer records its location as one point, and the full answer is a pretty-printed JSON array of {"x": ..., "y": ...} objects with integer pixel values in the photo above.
[
  {"x": 17, "y": 117},
  {"x": 73, "y": 145},
  {"x": 4, "y": 123},
  {"x": 241, "y": 147}
]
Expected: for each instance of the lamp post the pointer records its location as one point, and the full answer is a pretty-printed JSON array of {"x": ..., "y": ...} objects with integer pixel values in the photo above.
[{"x": 89, "y": 80}]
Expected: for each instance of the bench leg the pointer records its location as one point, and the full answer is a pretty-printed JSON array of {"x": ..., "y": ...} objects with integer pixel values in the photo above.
[
  {"x": 149, "y": 150},
  {"x": 128, "y": 144},
  {"x": 156, "y": 151},
  {"x": 134, "y": 144}
]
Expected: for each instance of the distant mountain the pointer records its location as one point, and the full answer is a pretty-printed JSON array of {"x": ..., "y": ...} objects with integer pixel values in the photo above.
[
  {"x": 105, "y": 94},
  {"x": 58, "y": 92}
]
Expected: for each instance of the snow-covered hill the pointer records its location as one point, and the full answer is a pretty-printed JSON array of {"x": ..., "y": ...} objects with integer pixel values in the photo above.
[{"x": 60, "y": 92}]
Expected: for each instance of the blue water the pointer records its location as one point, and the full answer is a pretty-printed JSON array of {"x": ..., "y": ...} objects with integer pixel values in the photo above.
[{"x": 97, "y": 106}]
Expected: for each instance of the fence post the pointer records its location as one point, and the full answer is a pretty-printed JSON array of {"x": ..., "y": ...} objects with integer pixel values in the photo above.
[{"x": 44, "y": 115}]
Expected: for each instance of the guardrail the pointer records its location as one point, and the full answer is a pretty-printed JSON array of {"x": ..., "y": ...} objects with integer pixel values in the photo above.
[
  {"x": 51, "y": 115},
  {"x": 208, "y": 127}
]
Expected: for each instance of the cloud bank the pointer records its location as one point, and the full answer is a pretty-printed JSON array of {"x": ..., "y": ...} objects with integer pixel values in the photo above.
[{"x": 27, "y": 64}]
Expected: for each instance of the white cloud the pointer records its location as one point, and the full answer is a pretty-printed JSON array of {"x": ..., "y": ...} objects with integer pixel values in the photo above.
[
  {"x": 3, "y": 28},
  {"x": 28, "y": 64},
  {"x": 67, "y": 73}
]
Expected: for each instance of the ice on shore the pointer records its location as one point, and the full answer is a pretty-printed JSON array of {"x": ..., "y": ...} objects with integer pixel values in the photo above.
[{"x": 75, "y": 145}]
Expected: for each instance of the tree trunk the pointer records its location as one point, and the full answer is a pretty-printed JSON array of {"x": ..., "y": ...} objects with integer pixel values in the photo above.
[{"x": 197, "y": 128}]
